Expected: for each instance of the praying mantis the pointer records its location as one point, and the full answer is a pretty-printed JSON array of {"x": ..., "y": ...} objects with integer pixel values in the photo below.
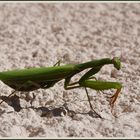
[{"x": 46, "y": 77}]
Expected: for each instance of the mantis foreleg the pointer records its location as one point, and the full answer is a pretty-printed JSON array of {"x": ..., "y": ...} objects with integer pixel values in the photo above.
[
  {"x": 100, "y": 85},
  {"x": 103, "y": 85},
  {"x": 97, "y": 85}
]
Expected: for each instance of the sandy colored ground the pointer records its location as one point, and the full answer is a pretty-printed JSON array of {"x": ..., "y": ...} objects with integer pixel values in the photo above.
[{"x": 36, "y": 35}]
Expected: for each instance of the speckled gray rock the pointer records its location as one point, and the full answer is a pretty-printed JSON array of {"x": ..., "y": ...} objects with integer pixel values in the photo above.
[{"x": 36, "y": 35}]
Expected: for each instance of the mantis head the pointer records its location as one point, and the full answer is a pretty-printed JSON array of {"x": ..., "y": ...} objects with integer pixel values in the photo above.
[{"x": 117, "y": 63}]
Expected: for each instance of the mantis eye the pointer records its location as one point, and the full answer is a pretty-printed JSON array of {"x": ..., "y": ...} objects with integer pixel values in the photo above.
[{"x": 117, "y": 63}]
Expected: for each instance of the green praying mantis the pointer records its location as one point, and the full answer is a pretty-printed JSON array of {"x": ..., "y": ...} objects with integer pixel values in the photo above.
[{"x": 46, "y": 77}]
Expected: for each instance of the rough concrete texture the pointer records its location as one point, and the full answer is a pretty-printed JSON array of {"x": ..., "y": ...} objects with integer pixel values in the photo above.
[{"x": 37, "y": 35}]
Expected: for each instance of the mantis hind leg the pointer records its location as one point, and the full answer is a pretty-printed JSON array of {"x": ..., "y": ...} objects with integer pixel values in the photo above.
[
  {"x": 28, "y": 83},
  {"x": 9, "y": 96}
]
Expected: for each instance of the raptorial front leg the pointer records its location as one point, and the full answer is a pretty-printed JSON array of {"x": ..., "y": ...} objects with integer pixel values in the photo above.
[
  {"x": 114, "y": 97},
  {"x": 103, "y": 85}
]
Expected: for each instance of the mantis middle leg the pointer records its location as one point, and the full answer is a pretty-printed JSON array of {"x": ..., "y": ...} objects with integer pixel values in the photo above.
[{"x": 88, "y": 75}]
